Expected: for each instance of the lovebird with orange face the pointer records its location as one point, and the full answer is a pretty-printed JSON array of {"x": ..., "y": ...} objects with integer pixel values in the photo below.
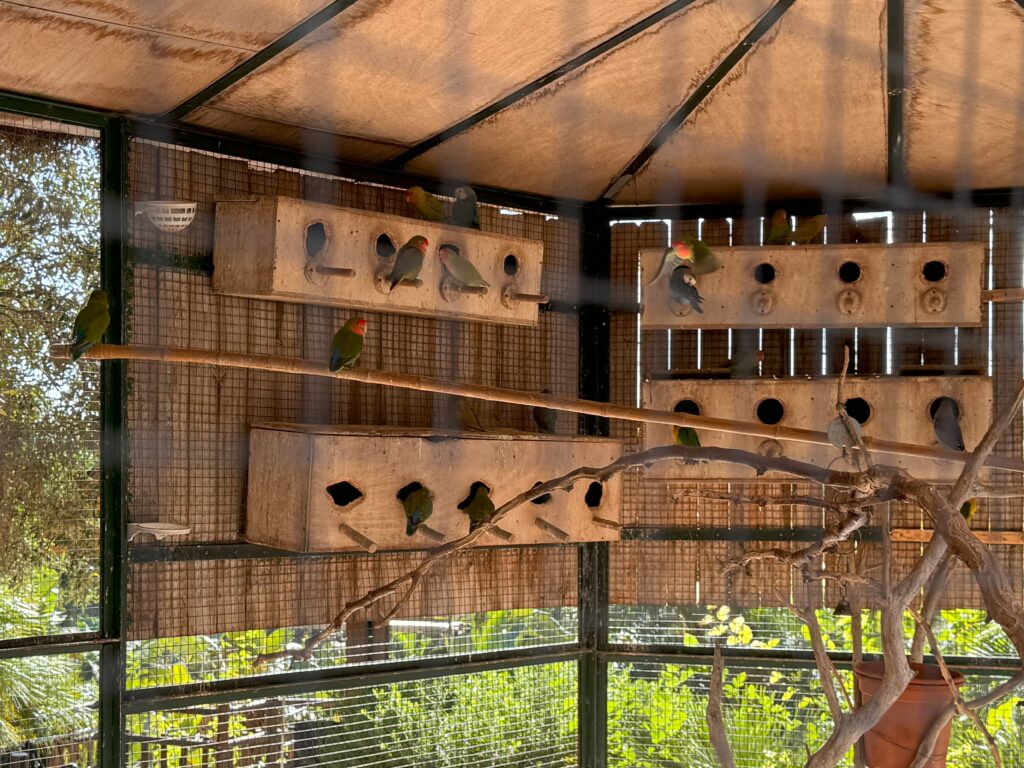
[
  {"x": 347, "y": 344},
  {"x": 409, "y": 261}
]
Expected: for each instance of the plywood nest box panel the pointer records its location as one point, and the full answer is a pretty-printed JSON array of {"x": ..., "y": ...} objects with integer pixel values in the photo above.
[
  {"x": 337, "y": 489},
  {"x": 286, "y": 249},
  {"x": 924, "y": 284},
  {"x": 888, "y": 407}
]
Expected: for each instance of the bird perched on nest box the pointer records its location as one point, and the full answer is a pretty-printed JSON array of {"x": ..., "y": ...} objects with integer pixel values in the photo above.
[
  {"x": 809, "y": 230},
  {"x": 90, "y": 324},
  {"x": 418, "y": 504},
  {"x": 703, "y": 259},
  {"x": 465, "y": 212},
  {"x": 675, "y": 255},
  {"x": 478, "y": 507},
  {"x": 428, "y": 206},
  {"x": 347, "y": 344},
  {"x": 946, "y": 423},
  {"x": 779, "y": 232},
  {"x": 682, "y": 286},
  {"x": 460, "y": 268},
  {"x": 409, "y": 261}
]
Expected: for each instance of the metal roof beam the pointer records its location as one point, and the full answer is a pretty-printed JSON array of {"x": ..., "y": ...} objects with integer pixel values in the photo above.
[{"x": 675, "y": 122}]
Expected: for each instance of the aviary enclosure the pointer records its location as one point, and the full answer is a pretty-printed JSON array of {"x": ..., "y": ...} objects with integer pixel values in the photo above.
[{"x": 727, "y": 404}]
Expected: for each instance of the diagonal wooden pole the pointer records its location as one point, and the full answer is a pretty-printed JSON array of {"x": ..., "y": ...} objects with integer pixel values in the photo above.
[{"x": 280, "y": 364}]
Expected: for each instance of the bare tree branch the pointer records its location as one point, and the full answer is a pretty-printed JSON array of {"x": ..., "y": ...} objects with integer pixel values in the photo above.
[
  {"x": 716, "y": 723},
  {"x": 826, "y": 669}
]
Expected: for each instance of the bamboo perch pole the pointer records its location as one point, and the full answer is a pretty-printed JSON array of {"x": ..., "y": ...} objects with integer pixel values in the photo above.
[
  {"x": 279, "y": 364},
  {"x": 1002, "y": 295}
]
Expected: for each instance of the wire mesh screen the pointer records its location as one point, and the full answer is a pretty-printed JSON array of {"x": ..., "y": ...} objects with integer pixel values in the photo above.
[
  {"x": 500, "y": 599},
  {"x": 48, "y": 713},
  {"x": 774, "y": 715},
  {"x": 49, "y": 411},
  {"x": 525, "y": 716}
]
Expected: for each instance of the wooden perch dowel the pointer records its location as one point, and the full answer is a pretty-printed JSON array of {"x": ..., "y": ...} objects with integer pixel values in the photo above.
[
  {"x": 924, "y": 535},
  {"x": 1003, "y": 295},
  {"x": 279, "y": 364}
]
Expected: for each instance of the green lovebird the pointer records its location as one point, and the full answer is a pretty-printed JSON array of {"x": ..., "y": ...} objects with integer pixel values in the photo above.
[
  {"x": 409, "y": 261},
  {"x": 779, "y": 233},
  {"x": 685, "y": 436},
  {"x": 347, "y": 344},
  {"x": 809, "y": 230},
  {"x": 675, "y": 255},
  {"x": 429, "y": 207},
  {"x": 704, "y": 261},
  {"x": 90, "y": 324},
  {"x": 478, "y": 506},
  {"x": 460, "y": 268},
  {"x": 418, "y": 503},
  {"x": 465, "y": 213},
  {"x": 545, "y": 418},
  {"x": 968, "y": 508}
]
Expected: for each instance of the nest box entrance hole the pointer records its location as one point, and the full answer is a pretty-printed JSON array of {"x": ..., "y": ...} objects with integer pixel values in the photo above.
[
  {"x": 594, "y": 495},
  {"x": 933, "y": 271},
  {"x": 405, "y": 491},
  {"x": 511, "y": 265},
  {"x": 770, "y": 411},
  {"x": 477, "y": 485},
  {"x": 316, "y": 239},
  {"x": 934, "y": 407},
  {"x": 344, "y": 494},
  {"x": 858, "y": 409},
  {"x": 544, "y": 498},
  {"x": 384, "y": 246},
  {"x": 764, "y": 273},
  {"x": 849, "y": 271}
]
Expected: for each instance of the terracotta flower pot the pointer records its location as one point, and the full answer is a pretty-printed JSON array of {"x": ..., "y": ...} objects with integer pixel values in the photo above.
[{"x": 894, "y": 740}]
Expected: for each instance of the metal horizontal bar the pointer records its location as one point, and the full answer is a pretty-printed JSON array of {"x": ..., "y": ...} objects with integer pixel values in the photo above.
[
  {"x": 48, "y": 109},
  {"x": 209, "y": 141},
  {"x": 735, "y": 533},
  {"x": 546, "y": 79},
  {"x": 339, "y": 678},
  {"x": 79, "y": 642},
  {"x": 250, "y": 65}
]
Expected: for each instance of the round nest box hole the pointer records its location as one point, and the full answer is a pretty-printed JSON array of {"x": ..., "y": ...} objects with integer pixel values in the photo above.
[
  {"x": 511, "y": 265},
  {"x": 858, "y": 409},
  {"x": 770, "y": 411},
  {"x": 594, "y": 494},
  {"x": 687, "y": 406},
  {"x": 934, "y": 407},
  {"x": 544, "y": 498},
  {"x": 344, "y": 493},
  {"x": 849, "y": 271},
  {"x": 933, "y": 271},
  {"x": 764, "y": 273},
  {"x": 385, "y": 246},
  {"x": 406, "y": 490},
  {"x": 316, "y": 239}
]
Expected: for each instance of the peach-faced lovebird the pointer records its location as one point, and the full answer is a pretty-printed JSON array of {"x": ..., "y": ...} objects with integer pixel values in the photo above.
[
  {"x": 429, "y": 207},
  {"x": 409, "y": 260},
  {"x": 465, "y": 213},
  {"x": 779, "y": 232},
  {"x": 704, "y": 262},
  {"x": 90, "y": 324},
  {"x": 347, "y": 344},
  {"x": 459, "y": 267},
  {"x": 809, "y": 230},
  {"x": 675, "y": 255},
  {"x": 479, "y": 506},
  {"x": 946, "y": 423},
  {"x": 683, "y": 287},
  {"x": 418, "y": 503},
  {"x": 545, "y": 418}
]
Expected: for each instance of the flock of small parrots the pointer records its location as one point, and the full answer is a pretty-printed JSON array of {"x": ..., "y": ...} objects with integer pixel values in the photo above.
[{"x": 687, "y": 260}]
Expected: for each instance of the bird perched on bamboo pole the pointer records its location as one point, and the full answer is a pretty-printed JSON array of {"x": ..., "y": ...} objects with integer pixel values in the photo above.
[
  {"x": 90, "y": 324},
  {"x": 347, "y": 344}
]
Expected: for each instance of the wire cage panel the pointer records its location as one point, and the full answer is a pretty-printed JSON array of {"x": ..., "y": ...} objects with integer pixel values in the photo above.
[
  {"x": 288, "y": 249},
  {"x": 322, "y": 489},
  {"x": 933, "y": 284},
  {"x": 888, "y": 406}
]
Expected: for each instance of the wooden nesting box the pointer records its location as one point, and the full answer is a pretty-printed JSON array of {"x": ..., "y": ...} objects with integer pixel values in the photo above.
[
  {"x": 298, "y": 474},
  {"x": 925, "y": 284},
  {"x": 896, "y": 408},
  {"x": 286, "y": 249}
]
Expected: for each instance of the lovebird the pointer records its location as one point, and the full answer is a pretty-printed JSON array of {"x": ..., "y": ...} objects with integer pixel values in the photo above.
[
  {"x": 685, "y": 436},
  {"x": 809, "y": 230},
  {"x": 545, "y": 418},
  {"x": 465, "y": 212},
  {"x": 946, "y": 423},
  {"x": 347, "y": 344},
  {"x": 479, "y": 507},
  {"x": 704, "y": 260},
  {"x": 429, "y": 207},
  {"x": 409, "y": 260},
  {"x": 418, "y": 504},
  {"x": 968, "y": 508},
  {"x": 779, "y": 231},
  {"x": 683, "y": 287},
  {"x": 744, "y": 365},
  {"x": 675, "y": 255},
  {"x": 460, "y": 268},
  {"x": 90, "y": 324}
]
